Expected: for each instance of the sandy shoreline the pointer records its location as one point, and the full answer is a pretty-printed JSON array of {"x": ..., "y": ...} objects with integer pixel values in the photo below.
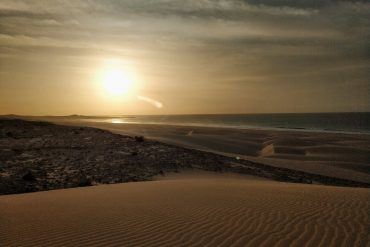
[
  {"x": 39, "y": 156},
  {"x": 345, "y": 156},
  {"x": 186, "y": 210}
]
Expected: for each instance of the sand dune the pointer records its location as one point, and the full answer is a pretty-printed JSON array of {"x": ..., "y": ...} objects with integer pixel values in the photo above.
[{"x": 187, "y": 210}]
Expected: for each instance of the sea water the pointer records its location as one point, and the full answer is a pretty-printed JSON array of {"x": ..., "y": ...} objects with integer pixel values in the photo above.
[{"x": 337, "y": 122}]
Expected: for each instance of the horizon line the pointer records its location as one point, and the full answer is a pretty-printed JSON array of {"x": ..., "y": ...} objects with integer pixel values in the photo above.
[{"x": 182, "y": 114}]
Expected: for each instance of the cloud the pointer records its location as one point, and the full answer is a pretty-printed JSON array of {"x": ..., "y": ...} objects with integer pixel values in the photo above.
[{"x": 197, "y": 45}]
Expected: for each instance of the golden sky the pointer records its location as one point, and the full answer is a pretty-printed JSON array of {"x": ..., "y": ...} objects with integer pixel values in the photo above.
[{"x": 177, "y": 57}]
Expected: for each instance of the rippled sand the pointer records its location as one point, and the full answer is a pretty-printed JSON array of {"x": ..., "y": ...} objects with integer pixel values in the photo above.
[{"x": 188, "y": 210}]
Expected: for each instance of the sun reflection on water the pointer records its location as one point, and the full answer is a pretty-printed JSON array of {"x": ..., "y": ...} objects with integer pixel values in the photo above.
[{"x": 116, "y": 121}]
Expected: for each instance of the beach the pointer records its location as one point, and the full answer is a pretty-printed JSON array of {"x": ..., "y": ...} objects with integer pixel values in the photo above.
[
  {"x": 341, "y": 155},
  {"x": 106, "y": 184},
  {"x": 184, "y": 123}
]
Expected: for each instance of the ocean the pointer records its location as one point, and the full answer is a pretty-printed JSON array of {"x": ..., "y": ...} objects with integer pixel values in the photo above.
[{"x": 335, "y": 122}]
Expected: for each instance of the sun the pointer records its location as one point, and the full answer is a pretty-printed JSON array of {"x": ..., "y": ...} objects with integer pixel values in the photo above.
[{"x": 116, "y": 80}]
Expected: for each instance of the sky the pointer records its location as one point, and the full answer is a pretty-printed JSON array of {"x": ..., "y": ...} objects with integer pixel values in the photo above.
[{"x": 183, "y": 56}]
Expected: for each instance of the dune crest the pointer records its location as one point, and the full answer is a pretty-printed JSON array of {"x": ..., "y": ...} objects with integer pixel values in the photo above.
[{"x": 191, "y": 211}]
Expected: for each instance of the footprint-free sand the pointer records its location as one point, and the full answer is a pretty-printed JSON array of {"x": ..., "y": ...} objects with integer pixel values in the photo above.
[{"x": 188, "y": 209}]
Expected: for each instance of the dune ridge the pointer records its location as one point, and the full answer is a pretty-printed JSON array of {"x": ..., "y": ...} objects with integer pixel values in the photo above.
[{"x": 189, "y": 211}]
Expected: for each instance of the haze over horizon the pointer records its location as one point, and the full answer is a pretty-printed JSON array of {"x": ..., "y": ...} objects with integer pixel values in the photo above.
[{"x": 183, "y": 57}]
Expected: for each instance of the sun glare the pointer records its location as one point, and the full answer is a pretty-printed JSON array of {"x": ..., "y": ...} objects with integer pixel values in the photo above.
[{"x": 116, "y": 80}]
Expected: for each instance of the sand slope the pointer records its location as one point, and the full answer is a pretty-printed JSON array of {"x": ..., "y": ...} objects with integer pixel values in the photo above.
[{"x": 188, "y": 211}]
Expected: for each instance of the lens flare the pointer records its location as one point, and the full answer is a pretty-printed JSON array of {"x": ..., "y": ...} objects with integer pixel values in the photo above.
[{"x": 150, "y": 101}]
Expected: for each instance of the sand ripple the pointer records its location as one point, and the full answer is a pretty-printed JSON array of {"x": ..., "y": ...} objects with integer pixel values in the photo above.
[{"x": 188, "y": 212}]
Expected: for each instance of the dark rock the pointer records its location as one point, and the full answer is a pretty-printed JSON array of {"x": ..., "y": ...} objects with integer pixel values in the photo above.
[
  {"x": 134, "y": 153},
  {"x": 29, "y": 177},
  {"x": 17, "y": 151},
  {"x": 9, "y": 134},
  {"x": 139, "y": 138},
  {"x": 85, "y": 181}
]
